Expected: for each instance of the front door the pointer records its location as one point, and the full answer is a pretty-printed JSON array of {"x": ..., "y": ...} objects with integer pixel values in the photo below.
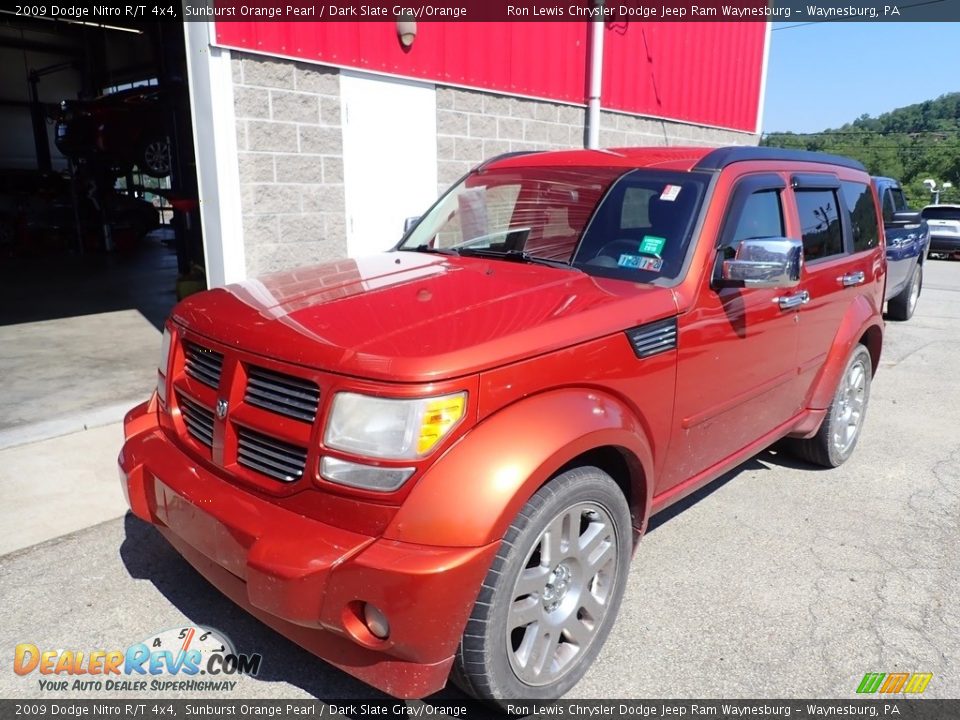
[{"x": 737, "y": 364}]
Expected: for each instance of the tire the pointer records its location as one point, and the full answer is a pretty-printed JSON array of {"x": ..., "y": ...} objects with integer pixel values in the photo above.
[
  {"x": 154, "y": 157},
  {"x": 547, "y": 605},
  {"x": 838, "y": 434},
  {"x": 901, "y": 306}
]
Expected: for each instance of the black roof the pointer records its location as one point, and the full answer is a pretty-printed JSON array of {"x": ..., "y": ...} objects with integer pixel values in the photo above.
[{"x": 722, "y": 157}]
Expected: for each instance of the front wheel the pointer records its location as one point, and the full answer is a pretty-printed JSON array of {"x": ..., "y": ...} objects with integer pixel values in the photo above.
[
  {"x": 551, "y": 594},
  {"x": 902, "y": 306}
]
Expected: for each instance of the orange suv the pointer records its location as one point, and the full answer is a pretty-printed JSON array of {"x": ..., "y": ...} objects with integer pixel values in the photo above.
[{"x": 438, "y": 461}]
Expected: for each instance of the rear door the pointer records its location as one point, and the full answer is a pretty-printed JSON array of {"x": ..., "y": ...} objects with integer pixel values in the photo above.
[{"x": 842, "y": 258}]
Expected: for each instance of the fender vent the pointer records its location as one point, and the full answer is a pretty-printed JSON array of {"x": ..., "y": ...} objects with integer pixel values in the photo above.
[{"x": 653, "y": 338}]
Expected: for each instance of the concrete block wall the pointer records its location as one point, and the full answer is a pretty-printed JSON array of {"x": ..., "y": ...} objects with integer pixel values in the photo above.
[
  {"x": 290, "y": 154},
  {"x": 623, "y": 130},
  {"x": 290, "y": 146},
  {"x": 473, "y": 126}
]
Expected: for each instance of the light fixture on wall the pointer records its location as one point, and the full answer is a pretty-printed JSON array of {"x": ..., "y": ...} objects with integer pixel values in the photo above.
[{"x": 406, "y": 29}]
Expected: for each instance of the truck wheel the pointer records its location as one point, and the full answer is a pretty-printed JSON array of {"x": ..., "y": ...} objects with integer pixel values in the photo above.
[
  {"x": 840, "y": 430},
  {"x": 551, "y": 594},
  {"x": 902, "y": 306}
]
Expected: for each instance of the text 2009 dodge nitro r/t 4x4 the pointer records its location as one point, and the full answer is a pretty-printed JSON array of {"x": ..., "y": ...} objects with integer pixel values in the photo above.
[{"x": 437, "y": 462}]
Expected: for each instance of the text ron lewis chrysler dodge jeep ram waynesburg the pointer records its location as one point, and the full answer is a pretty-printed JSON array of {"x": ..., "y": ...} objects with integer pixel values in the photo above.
[{"x": 436, "y": 462}]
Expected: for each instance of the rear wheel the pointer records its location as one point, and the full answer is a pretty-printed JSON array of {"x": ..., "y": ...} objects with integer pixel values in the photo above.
[
  {"x": 902, "y": 306},
  {"x": 551, "y": 594},
  {"x": 840, "y": 430}
]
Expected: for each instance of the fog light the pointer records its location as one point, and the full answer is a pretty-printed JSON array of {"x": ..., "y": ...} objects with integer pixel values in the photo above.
[{"x": 375, "y": 621}]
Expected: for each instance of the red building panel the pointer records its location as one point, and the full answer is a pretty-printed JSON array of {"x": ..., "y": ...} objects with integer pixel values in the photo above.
[
  {"x": 704, "y": 73},
  {"x": 540, "y": 59}
]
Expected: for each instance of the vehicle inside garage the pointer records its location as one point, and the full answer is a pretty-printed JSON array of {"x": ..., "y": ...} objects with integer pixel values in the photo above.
[
  {"x": 97, "y": 172},
  {"x": 99, "y": 225}
]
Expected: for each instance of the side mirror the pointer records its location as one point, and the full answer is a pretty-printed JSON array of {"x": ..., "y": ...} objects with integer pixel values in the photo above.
[
  {"x": 905, "y": 218},
  {"x": 764, "y": 263},
  {"x": 409, "y": 223}
]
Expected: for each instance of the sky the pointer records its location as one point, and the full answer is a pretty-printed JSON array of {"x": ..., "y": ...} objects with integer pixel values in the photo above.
[{"x": 826, "y": 74}]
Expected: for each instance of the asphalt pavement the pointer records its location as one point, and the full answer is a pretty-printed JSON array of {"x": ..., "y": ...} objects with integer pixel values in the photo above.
[{"x": 777, "y": 581}]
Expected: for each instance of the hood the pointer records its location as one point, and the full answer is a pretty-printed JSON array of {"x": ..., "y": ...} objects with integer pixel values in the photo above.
[{"x": 416, "y": 317}]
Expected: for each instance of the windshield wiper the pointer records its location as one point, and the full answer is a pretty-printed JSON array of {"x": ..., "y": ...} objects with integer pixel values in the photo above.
[
  {"x": 428, "y": 249},
  {"x": 515, "y": 255}
]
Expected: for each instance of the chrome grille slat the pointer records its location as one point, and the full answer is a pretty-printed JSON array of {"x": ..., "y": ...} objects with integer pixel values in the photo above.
[
  {"x": 272, "y": 457},
  {"x": 202, "y": 364},
  {"x": 276, "y": 470},
  {"x": 198, "y": 419},
  {"x": 293, "y": 397},
  {"x": 270, "y": 471}
]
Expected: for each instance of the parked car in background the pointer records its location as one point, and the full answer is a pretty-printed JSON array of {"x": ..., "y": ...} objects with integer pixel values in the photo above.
[
  {"x": 436, "y": 462},
  {"x": 908, "y": 242},
  {"x": 122, "y": 129},
  {"x": 944, "y": 222}
]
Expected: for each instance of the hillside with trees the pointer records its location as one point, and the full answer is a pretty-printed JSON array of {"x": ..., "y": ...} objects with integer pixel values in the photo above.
[{"x": 911, "y": 143}]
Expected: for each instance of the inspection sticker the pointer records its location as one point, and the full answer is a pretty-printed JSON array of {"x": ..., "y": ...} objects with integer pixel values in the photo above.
[
  {"x": 638, "y": 262},
  {"x": 652, "y": 245},
  {"x": 670, "y": 193}
]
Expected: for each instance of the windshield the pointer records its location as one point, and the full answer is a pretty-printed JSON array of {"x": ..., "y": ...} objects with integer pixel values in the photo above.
[{"x": 634, "y": 225}]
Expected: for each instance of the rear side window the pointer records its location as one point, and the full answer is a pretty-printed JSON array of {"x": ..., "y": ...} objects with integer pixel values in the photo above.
[
  {"x": 863, "y": 215},
  {"x": 819, "y": 223}
]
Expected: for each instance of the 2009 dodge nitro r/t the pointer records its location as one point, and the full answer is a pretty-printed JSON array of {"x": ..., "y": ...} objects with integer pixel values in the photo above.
[{"x": 437, "y": 462}]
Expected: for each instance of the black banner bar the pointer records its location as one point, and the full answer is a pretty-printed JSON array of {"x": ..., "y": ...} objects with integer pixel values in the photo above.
[
  {"x": 108, "y": 12},
  {"x": 128, "y": 709}
]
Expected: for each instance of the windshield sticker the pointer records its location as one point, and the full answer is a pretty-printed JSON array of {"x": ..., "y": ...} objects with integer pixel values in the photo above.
[
  {"x": 652, "y": 245},
  {"x": 640, "y": 262},
  {"x": 670, "y": 193}
]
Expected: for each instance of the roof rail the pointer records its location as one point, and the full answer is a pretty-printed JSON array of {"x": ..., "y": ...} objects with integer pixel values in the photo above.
[{"x": 722, "y": 157}]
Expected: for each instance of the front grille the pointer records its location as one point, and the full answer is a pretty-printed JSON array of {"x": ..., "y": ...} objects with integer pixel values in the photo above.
[
  {"x": 274, "y": 458},
  {"x": 284, "y": 394},
  {"x": 653, "y": 338},
  {"x": 202, "y": 364},
  {"x": 198, "y": 419}
]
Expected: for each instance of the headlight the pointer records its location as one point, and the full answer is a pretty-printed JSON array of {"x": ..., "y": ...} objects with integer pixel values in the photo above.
[
  {"x": 162, "y": 365},
  {"x": 398, "y": 429}
]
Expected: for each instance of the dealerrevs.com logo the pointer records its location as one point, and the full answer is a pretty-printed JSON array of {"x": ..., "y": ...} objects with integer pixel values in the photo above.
[{"x": 181, "y": 659}]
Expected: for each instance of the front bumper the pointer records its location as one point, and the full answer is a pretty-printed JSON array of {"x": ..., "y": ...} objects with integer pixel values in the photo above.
[{"x": 306, "y": 579}]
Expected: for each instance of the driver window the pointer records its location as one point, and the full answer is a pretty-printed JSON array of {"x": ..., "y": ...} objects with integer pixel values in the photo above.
[{"x": 760, "y": 217}]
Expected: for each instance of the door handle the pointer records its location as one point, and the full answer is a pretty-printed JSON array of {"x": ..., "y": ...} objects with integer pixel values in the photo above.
[
  {"x": 788, "y": 302},
  {"x": 851, "y": 279}
]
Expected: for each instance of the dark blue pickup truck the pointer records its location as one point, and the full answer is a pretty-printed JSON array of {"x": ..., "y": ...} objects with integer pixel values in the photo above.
[{"x": 908, "y": 243}]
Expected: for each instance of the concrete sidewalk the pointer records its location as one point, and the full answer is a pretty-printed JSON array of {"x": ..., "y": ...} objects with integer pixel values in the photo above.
[
  {"x": 58, "y": 486},
  {"x": 65, "y": 375},
  {"x": 65, "y": 385}
]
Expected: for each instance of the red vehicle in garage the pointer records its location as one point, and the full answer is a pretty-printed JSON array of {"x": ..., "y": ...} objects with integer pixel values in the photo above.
[
  {"x": 438, "y": 461},
  {"x": 123, "y": 129}
]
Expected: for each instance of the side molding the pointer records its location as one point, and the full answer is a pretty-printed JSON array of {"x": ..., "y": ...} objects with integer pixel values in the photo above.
[{"x": 470, "y": 496}]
